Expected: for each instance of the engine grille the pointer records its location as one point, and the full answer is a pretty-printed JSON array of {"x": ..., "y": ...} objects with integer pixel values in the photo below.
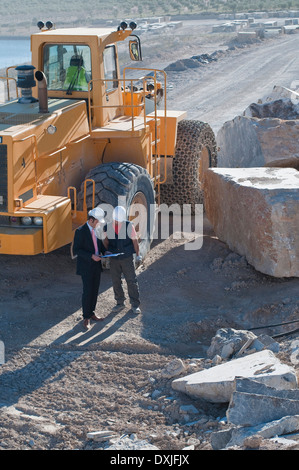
[{"x": 3, "y": 178}]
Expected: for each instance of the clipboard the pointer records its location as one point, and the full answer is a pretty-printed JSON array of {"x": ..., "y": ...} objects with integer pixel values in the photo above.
[{"x": 112, "y": 255}]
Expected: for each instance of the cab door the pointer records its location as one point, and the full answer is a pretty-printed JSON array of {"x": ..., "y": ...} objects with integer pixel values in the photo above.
[{"x": 112, "y": 107}]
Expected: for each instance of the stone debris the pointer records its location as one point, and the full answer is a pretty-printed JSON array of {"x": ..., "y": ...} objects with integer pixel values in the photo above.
[
  {"x": 110, "y": 440},
  {"x": 255, "y": 211},
  {"x": 229, "y": 342},
  {"x": 240, "y": 342},
  {"x": 173, "y": 369},
  {"x": 130, "y": 443},
  {"x": 217, "y": 383}
]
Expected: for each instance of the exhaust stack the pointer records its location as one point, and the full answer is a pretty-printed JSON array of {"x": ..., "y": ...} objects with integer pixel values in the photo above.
[{"x": 42, "y": 91}]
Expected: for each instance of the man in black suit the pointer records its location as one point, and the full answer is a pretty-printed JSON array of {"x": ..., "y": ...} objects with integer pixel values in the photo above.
[{"x": 88, "y": 249}]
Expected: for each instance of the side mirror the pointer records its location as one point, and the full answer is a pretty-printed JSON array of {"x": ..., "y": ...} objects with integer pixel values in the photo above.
[{"x": 135, "y": 50}]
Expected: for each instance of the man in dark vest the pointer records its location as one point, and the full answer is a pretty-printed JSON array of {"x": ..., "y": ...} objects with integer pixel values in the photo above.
[
  {"x": 120, "y": 239},
  {"x": 88, "y": 249}
]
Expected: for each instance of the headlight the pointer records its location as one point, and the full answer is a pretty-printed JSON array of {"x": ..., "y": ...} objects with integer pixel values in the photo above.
[
  {"x": 26, "y": 220},
  {"x": 51, "y": 129},
  {"x": 38, "y": 221}
]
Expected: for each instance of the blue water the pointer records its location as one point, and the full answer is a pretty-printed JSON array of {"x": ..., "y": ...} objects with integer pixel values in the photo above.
[{"x": 14, "y": 52}]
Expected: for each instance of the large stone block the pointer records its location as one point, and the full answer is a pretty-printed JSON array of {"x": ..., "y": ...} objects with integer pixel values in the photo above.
[
  {"x": 218, "y": 383},
  {"x": 256, "y": 212}
]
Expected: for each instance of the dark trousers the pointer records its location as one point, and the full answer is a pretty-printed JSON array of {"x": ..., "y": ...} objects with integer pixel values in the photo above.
[
  {"x": 91, "y": 283},
  {"x": 126, "y": 267}
]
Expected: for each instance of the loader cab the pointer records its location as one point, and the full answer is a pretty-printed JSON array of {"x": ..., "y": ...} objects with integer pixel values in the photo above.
[{"x": 82, "y": 63}]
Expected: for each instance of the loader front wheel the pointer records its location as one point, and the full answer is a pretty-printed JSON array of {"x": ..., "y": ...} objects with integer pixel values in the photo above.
[
  {"x": 195, "y": 152},
  {"x": 128, "y": 185}
]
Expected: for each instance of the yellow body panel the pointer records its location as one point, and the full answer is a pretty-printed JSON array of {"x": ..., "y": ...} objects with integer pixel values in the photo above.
[
  {"x": 132, "y": 102},
  {"x": 167, "y": 140},
  {"x": 57, "y": 219},
  {"x": 55, "y": 232},
  {"x": 26, "y": 241}
]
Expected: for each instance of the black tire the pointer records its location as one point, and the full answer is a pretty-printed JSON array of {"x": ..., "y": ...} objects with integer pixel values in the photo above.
[
  {"x": 195, "y": 152},
  {"x": 123, "y": 184}
]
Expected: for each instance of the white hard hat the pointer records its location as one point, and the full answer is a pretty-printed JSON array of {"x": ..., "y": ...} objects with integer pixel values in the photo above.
[
  {"x": 98, "y": 214},
  {"x": 119, "y": 214}
]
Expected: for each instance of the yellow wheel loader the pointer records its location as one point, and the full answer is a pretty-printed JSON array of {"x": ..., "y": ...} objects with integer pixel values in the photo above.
[{"x": 79, "y": 135}]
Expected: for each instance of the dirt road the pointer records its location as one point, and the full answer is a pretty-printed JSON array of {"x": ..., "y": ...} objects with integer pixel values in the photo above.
[
  {"x": 225, "y": 88},
  {"x": 59, "y": 382}
]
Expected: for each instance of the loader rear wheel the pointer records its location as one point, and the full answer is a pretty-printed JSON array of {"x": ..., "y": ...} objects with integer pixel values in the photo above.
[
  {"x": 195, "y": 153},
  {"x": 124, "y": 184}
]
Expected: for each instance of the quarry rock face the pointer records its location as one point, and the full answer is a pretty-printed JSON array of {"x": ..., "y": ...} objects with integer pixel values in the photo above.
[{"x": 255, "y": 211}]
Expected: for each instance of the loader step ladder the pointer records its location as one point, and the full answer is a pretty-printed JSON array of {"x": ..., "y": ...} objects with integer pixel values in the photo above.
[
  {"x": 79, "y": 217},
  {"x": 155, "y": 158}
]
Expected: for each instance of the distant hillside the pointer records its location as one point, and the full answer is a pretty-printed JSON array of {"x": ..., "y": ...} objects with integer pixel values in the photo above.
[{"x": 20, "y": 17}]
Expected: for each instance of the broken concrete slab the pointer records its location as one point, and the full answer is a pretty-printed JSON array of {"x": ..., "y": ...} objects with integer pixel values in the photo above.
[
  {"x": 266, "y": 408},
  {"x": 236, "y": 436},
  {"x": 217, "y": 383},
  {"x": 243, "y": 384},
  {"x": 256, "y": 212}
]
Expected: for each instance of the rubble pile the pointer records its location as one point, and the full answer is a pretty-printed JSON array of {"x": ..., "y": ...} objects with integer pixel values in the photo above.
[{"x": 248, "y": 376}]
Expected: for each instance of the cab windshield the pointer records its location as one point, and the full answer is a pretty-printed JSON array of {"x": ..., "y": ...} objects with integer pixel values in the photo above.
[{"x": 67, "y": 67}]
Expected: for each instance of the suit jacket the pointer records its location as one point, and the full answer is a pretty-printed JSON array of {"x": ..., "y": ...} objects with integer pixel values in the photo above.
[{"x": 84, "y": 249}]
